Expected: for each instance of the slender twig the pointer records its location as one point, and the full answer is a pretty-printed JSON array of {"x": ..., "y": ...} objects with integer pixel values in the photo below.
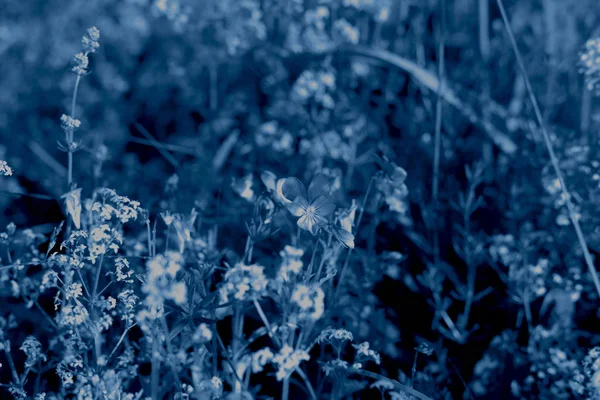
[
  {"x": 157, "y": 145},
  {"x": 439, "y": 103},
  {"x": 265, "y": 321},
  {"x": 397, "y": 385},
  {"x": 358, "y": 221},
  {"x": 70, "y": 135},
  {"x": 435, "y": 184},
  {"x": 119, "y": 342},
  {"x": 413, "y": 371},
  {"x": 285, "y": 392},
  {"x": 302, "y": 374},
  {"x": 553, "y": 158}
]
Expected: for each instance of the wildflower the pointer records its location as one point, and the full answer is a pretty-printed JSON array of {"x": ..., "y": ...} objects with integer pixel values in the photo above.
[
  {"x": 160, "y": 280},
  {"x": 327, "y": 335},
  {"x": 342, "y": 230},
  {"x": 184, "y": 226},
  {"x": 211, "y": 388},
  {"x": 5, "y": 169},
  {"x": 589, "y": 62},
  {"x": 123, "y": 271},
  {"x": 167, "y": 217},
  {"x": 425, "y": 348},
  {"x": 335, "y": 365},
  {"x": 81, "y": 63},
  {"x": 73, "y": 314},
  {"x": 243, "y": 187},
  {"x": 69, "y": 123},
  {"x": 292, "y": 262},
  {"x": 346, "y": 31},
  {"x": 312, "y": 206},
  {"x": 288, "y": 360},
  {"x": 274, "y": 186},
  {"x": 391, "y": 185},
  {"x": 310, "y": 300},
  {"x": 203, "y": 334},
  {"x": 73, "y": 204},
  {"x": 111, "y": 303},
  {"x": 363, "y": 350},
  {"x": 90, "y": 40},
  {"x": 243, "y": 282},
  {"x": 260, "y": 359},
  {"x": 74, "y": 290},
  {"x": 33, "y": 350}
]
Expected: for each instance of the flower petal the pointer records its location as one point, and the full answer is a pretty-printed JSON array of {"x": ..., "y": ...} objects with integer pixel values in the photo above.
[
  {"x": 269, "y": 179},
  {"x": 298, "y": 206},
  {"x": 320, "y": 185},
  {"x": 307, "y": 223},
  {"x": 323, "y": 206},
  {"x": 292, "y": 188},
  {"x": 345, "y": 237}
]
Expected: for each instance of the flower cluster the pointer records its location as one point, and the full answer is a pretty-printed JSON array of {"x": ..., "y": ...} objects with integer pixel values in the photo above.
[
  {"x": 243, "y": 282},
  {"x": 112, "y": 205},
  {"x": 275, "y": 136},
  {"x": 589, "y": 61},
  {"x": 33, "y": 350},
  {"x": 161, "y": 284},
  {"x": 380, "y": 9},
  {"x": 90, "y": 45},
  {"x": 315, "y": 87},
  {"x": 391, "y": 185},
  {"x": 5, "y": 169},
  {"x": 310, "y": 300},
  {"x": 588, "y": 380},
  {"x": 287, "y": 360},
  {"x": 291, "y": 264}
]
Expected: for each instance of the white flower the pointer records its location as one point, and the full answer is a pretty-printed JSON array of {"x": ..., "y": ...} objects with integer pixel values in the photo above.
[
  {"x": 203, "y": 334},
  {"x": 292, "y": 262},
  {"x": 111, "y": 303},
  {"x": 287, "y": 360},
  {"x": 74, "y": 290},
  {"x": 260, "y": 359},
  {"x": 310, "y": 300},
  {"x": 73, "y": 204},
  {"x": 363, "y": 349},
  {"x": 5, "y": 169},
  {"x": 244, "y": 281},
  {"x": 216, "y": 382}
]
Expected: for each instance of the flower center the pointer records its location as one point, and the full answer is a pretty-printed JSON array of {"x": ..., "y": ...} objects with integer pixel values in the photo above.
[{"x": 311, "y": 211}]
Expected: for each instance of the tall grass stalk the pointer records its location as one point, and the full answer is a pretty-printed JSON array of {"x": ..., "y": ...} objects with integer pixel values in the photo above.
[{"x": 553, "y": 158}]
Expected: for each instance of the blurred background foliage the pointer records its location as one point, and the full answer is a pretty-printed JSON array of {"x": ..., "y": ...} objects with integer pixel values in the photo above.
[{"x": 185, "y": 96}]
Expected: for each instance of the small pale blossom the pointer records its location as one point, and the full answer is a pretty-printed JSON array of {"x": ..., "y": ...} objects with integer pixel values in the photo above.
[
  {"x": 288, "y": 360},
  {"x": 310, "y": 300},
  {"x": 5, "y": 169}
]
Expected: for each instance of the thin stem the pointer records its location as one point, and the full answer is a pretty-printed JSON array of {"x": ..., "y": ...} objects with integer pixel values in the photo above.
[
  {"x": 323, "y": 258},
  {"x": 265, "y": 321},
  {"x": 397, "y": 385},
  {"x": 11, "y": 363},
  {"x": 413, "y": 372},
  {"x": 435, "y": 184},
  {"x": 554, "y": 160},
  {"x": 149, "y": 234},
  {"x": 302, "y": 374},
  {"x": 97, "y": 279},
  {"x": 358, "y": 221},
  {"x": 119, "y": 342},
  {"x": 285, "y": 392},
  {"x": 439, "y": 104},
  {"x": 155, "y": 368},
  {"x": 70, "y": 135}
]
